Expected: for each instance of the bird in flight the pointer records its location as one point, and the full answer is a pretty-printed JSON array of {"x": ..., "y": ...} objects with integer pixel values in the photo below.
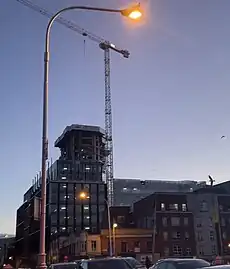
[{"x": 223, "y": 136}]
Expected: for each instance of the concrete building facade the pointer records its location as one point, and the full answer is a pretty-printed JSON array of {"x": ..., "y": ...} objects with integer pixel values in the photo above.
[
  {"x": 129, "y": 191},
  {"x": 204, "y": 208}
]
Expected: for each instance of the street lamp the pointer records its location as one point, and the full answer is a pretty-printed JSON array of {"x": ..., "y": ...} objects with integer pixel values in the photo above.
[
  {"x": 133, "y": 13},
  {"x": 83, "y": 195},
  {"x": 114, "y": 238}
]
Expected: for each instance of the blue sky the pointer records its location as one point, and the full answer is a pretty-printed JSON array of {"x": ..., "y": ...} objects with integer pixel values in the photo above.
[{"x": 170, "y": 99}]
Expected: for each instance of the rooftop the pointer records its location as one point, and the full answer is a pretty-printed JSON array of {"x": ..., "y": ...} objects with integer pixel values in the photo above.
[{"x": 78, "y": 127}]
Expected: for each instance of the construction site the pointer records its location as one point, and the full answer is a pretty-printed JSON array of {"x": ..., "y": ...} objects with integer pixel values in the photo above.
[{"x": 106, "y": 46}]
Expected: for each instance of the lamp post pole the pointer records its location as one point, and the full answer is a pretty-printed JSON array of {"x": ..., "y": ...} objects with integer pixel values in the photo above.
[
  {"x": 109, "y": 229},
  {"x": 114, "y": 238},
  {"x": 133, "y": 13}
]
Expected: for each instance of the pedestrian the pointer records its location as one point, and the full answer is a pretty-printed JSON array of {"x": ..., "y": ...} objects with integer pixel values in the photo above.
[{"x": 147, "y": 262}]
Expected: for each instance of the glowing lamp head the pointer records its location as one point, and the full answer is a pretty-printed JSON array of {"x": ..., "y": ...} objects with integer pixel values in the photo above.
[
  {"x": 82, "y": 195},
  {"x": 133, "y": 13},
  {"x": 115, "y": 225}
]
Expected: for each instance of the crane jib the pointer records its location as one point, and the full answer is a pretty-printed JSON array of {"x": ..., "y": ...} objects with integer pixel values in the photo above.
[{"x": 105, "y": 45}]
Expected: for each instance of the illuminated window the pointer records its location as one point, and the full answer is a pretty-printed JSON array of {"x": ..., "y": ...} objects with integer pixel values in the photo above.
[
  {"x": 162, "y": 206},
  {"x": 184, "y": 207}
]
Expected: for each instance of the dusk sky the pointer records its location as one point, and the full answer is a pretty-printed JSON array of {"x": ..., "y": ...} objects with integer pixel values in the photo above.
[{"x": 171, "y": 99}]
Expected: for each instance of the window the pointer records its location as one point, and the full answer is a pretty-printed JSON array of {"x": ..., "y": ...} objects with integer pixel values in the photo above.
[
  {"x": 199, "y": 236},
  {"x": 212, "y": 236},
  {"x": 186, "y": 235},
  {"x": 54, "y": 219},
  {"x": 175, "y": 221},
  {"x": 137, "y": 244},
  {"x": 176, "y": 235},
  {"x": 62, "y": 219},
  {"x": 188, "y": 251},
  {"x": 213, "y": 249},
  {"x": 149, "y": 245},
  {"x": 185, "y": 221},
  {"x": 93, "y": 245},
  {"x": 165, "y": 236},
  {"x": 198, "y": 222},
  {"x": 86, "y": 207},
  {"x": 120, "y": 219},
  {"x": 223, "y": 223},
  {"x": 173, "y": 207},
  {"x": 123, "y": 247},
  {"x": 201, "y": 250},
  {"x": 94, "y": 209},
  {"x": 166, "y": 251},
  {"x": 203, "y": 206},
  {"x": 83, "y": 246},
  {"x": 210, "y": 222},
  {"x": 164, "y": 221},
  {"x": 184, "y": 207},
  {"x": 162, "y": 207},
  {"x": 177, "y": 250}
]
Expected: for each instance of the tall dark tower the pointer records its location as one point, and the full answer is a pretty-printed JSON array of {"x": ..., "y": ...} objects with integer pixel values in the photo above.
[{"x": 79, "y": 169}]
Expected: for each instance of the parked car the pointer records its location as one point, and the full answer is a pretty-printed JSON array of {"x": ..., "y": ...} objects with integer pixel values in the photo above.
[
  {"x": 107, "y": 263},
  {"x": 224, "y": 266},
  {"x": 180, "y": 264},
  {"x": 65, "y": 265},
  {"x": 134, "y": 263}
]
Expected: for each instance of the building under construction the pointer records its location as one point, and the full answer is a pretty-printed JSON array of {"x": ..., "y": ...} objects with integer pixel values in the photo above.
[
  {"x": 82, "y": 152},
  {"x": 80, "y": 168}
]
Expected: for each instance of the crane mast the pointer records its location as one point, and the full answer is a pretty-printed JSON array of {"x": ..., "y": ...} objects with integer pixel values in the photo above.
[
  {"x": 108, "y": 125},
  {"x": 105, "y": 46}
]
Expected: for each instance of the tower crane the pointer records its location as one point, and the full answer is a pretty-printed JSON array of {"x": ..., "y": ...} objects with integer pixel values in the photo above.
[{"x": 106, "y": 46}]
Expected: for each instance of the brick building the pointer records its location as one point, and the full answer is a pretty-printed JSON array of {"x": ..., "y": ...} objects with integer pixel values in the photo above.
[
  {"x": 171, "y": 222},
  {"x": 223, "y": 232},
  {"x": 128, "y": 242}
]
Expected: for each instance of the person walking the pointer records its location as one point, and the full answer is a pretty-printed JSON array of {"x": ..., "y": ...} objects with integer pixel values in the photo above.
[{"x": 147, "y": 262}]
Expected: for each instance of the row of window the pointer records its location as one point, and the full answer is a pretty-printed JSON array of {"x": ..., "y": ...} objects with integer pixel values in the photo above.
[
  {"x": 175, "y": 221},
  {"x": 175, "y": 235},
  {"x": 182, "y": 207},
  {"x": 71, "y": 229},
  {"x": 201, "y": 238},
  {"x": 202, "y": 223},
  {"x": 224, "y": 208},
  {"x": 174, "y": 207},
  {"x": 202, "y": 249},
  {"x": 94, "y": 246},
  {"x": 177, "y": 250}
]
